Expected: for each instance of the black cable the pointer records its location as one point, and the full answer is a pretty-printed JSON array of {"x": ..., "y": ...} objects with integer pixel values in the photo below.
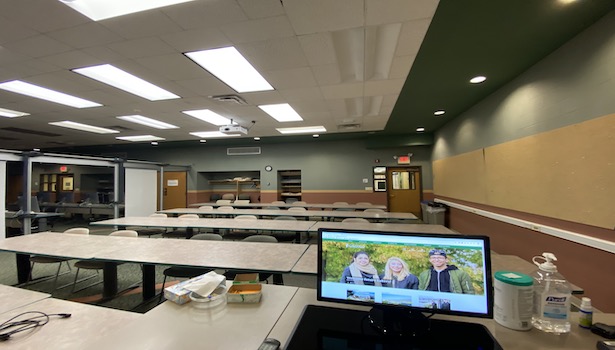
[{"x": 12, "y": 326}]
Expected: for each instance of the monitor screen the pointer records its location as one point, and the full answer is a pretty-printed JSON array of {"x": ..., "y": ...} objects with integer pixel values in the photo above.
[{"x": 429, "y": 273}]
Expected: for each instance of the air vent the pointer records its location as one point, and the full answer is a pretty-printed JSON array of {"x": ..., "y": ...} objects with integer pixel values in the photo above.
[
  {"x": 230, "y": 98},
  {"x": 349, "y": 127},
  {"x": 242, "y": 151}
]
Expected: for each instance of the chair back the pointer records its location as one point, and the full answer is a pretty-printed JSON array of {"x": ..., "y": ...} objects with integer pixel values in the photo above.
[
  {"x": 297, "y": 209},
  {"x": 228, "y": 196},
  {"x": 364, "y": 203},
  {"x": 226, "y": 208},
  {"x": 206, "y": 207},
  {"x": 241, "y": 201},
  {"x": 285, "y": 218},
  {"x": 357, "y": 220},
  {"x": 260, "y": 238},
  {"x": 278, "y": 203},
  {"x": 340, "y": 203},
  {"x": 271, "y": 207},
  {"x": 78, "y": 230},
  {"x": 189, "y": 216},
  {"x": 207, "y": 237},
  {"x": 246, "y": 217},
  {"x": 223, "y": 201},
  {"x": 158, "y": 215},
  {"x": 299, "y": 203},
  {"x": 125, "y": 233}
]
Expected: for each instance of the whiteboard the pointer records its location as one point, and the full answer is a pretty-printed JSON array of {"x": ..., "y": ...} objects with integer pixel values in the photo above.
[{"x": 140, "y": 192}]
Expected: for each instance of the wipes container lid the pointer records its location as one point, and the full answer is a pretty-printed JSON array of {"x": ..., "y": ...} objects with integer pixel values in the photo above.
[{"x": 514, "y": 278}]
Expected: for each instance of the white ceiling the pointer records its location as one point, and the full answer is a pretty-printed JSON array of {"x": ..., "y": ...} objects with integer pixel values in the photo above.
[{"x": 335, "y": 62}]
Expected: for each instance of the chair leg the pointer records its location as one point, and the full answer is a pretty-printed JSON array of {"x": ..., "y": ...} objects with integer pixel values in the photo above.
[{"x": 164, "y": 280}]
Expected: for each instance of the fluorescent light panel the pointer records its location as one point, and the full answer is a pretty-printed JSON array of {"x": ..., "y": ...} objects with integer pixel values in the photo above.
[
  {"x": 139, "y": 119},
  {"x": 98, "y": 10},
  {"x": 84, "y": 127},
  {"x": 21, "y": 87},
  {"x": 208, "y": 116},
  {"x": 212, "y": 134},
  {"x": 302, "y": 130},
  {"x": 111, "y": 75},
  {"x": 228, "y": 65},
  {"x": 281, "y": 112},
  {"x": 8, "y": 113},
  {"x": 140, "y": 138}
]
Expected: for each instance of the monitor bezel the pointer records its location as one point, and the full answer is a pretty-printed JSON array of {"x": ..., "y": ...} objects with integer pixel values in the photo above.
[{"x": 487, "y": 273}]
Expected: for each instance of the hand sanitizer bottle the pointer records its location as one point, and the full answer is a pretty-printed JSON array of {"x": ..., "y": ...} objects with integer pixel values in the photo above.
[{"x": 552, "y": 294}]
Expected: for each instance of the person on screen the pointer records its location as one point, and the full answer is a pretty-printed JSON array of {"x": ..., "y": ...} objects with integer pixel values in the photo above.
[
  {"x": 397, "y": 275},
  {"x": 361, "y": 271},
  {"x": 442, "y": 277}
]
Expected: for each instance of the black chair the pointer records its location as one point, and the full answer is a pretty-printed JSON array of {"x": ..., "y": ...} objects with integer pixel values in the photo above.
[{"x": 188, "y": 272}]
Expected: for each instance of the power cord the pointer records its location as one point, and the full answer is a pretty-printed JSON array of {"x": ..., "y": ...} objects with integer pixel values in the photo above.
[{"x": 12, "y": 325}]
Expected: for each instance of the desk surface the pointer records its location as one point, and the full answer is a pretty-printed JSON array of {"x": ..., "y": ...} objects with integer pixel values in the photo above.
[
  {"x": 88, "y": 325},
  {"x": 509, "y": 339},
  {"x": 268, "y": 225},
  {"x": 172, "y": 326},
  {"x": 13, "y": 298},
  {"x": 307, "y": 213},
  {"x": 384, "y": 227},
  {"x": 52, "y": 244},
  {"x": 287, "y": 205}
]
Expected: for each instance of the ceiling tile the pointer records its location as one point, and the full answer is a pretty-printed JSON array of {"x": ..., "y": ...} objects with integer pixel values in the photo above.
[
  {"x": 315, "y": 16},
  {"x": 258, "y": 30},
  {"x": 262, "y": 8}
]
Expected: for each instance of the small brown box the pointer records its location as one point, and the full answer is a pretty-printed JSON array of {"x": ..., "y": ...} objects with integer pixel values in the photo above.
[{"x": 244, "y": 293}]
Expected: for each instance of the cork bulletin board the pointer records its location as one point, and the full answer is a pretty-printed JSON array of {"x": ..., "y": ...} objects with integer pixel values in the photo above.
[{"x": 566, "y": 173}]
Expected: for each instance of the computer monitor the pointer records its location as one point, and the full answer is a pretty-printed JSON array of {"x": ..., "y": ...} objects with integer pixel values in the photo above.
[{"x": 397, "y": 275}]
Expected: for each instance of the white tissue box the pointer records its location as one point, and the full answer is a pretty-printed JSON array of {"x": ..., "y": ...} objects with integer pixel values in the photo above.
[{"x": 178, "y": 293}]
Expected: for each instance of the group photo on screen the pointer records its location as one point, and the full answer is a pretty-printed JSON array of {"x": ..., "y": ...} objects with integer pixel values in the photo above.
[{"x": 442, "y": 269}]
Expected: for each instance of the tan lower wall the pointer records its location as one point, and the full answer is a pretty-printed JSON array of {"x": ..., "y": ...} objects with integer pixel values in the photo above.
[{"x": 587, "y": 267}]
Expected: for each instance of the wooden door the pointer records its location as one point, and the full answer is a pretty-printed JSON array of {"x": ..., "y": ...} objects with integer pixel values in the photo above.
[
  {"x": 174, "y": 190},
  {"x": 404, "y": 190}
]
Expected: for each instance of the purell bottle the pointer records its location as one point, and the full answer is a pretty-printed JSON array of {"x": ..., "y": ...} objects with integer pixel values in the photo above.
[{"x": 552, "y": 295}]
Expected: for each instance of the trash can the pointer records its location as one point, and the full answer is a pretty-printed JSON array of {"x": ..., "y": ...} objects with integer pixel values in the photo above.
[
  {"x": 436, "y": 213},
  {"x": 424, "y": 205}
]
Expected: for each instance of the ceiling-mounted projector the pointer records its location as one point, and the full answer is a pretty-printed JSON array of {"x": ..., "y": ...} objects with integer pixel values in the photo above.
[{"x": 233, "y": 129}]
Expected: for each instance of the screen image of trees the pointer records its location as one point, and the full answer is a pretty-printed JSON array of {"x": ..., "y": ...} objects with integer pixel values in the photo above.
[{"x": 337, "y": 255}]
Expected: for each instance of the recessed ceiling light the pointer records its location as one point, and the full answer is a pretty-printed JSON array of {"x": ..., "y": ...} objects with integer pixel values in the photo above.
[
  {"x": 281, "y": 112},
  {"x": 84, "y": 127},
  {"x": 11, "y": 114},
  {"x": 139, "y": 119},
  {"x": 21, "y": 87},
  {"x": 210, "y": 134},
  {"x": 202, "y": 141},
  {"x": 257, "y": 138},
  {"x": 478, "y": 79},
  {"x": 140, "y": 138},
  {"x": 440, "y": 112},
  {"x": 302, "y": 130},
  {"x": 228, "y": 65},
  {"x": 420, "y": 129},
  {"x": 154, "y": 143},
  {"x": 208, "y": 116},
  {"x": 315, "y": 135},
  {"x": 98, "y": 10},
  {"x": 111, "y": 75}
]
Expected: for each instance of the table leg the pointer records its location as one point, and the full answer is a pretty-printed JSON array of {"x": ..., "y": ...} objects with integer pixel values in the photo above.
[
  {"x": 149, "y": 281},
  {"x": 278, "y": 279},
  {"x": 109, "y": 280},
  {"x": 189, "y": 232},
  {"x": 23, "y": 267}
]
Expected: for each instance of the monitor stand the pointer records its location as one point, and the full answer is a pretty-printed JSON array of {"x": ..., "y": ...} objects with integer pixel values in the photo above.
[
  {"x": 398, "y": 322},
  {"x": 322, "y": 327}
]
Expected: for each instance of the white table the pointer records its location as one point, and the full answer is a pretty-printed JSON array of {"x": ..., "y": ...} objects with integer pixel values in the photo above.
[
  {"x": 13, "y": 297},
  {"x": 252, "y": 256},
  {"x": 87, "y": 326},
  {"x": 304, "y": 214},
  {"x": 384, "y": 227},
  {"x": 172, "y": 326},
  {"x": 578, "y": 339},
  {"x": 289, "y": 205},
  {"x": 191, "y": 224}
]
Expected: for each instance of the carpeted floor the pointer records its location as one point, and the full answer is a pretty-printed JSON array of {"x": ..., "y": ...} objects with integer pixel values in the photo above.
[{"x": 129, "y": 277}]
